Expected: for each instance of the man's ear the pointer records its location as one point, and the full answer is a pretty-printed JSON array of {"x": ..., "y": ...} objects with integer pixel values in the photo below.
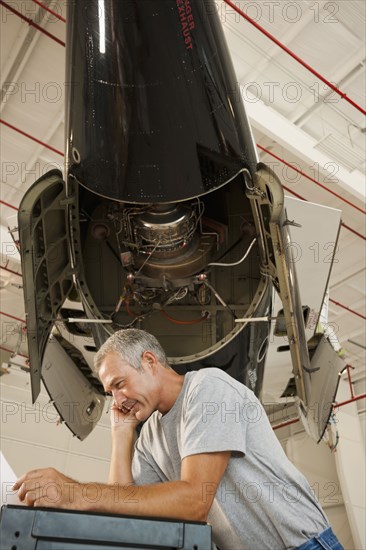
[{"x": 149, "y": 359}]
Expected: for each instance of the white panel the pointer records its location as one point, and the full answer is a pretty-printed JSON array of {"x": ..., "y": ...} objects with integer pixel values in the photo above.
[
  {"x": 293, "y": 139},
  {"x": 312, "y": 248}
]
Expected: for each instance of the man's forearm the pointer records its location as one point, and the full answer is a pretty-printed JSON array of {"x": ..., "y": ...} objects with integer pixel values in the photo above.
[
  {"x": 175, "y": 499},
  {"x": 188, "y": 499},
  {"x": 121, "y": 458}
]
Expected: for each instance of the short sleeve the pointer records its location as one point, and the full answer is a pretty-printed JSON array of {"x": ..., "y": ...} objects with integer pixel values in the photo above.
[{"x": 215, "y": 418}]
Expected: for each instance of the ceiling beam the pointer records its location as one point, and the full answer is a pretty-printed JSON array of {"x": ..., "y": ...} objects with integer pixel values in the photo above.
[{"x": 298, "y": 142}]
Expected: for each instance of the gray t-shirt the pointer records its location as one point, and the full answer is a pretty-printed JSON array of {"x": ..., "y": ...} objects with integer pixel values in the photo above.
[{"x": 263, "y": 501}]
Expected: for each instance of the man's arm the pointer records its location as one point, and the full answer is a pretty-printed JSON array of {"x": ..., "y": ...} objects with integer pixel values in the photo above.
[
  {"x": 123, "y": 438},
  {"x": 121, "y": 459},
  {"x": 190, "y": 498}
]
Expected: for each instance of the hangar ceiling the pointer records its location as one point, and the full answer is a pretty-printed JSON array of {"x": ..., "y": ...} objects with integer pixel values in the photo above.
[{"x": 311, "y": 136}]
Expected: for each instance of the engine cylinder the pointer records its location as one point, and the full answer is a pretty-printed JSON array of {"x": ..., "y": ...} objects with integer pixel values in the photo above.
[
  {"x": 154, "y": 113},
  {"x": 165, "y": 229}
]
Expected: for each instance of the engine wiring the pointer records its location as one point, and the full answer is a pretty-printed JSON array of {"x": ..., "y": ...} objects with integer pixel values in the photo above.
[
  {"x": 238, "y": 241},
  {"x": 124, "y": 299},
  {"x": 204, "y": 294},
  {"x": 219, "y": 264},
  {"x": 180, "y": 294},
  {"x": 128, "y": 325},
  {"x": 133, "y": 231},
  {"x": 248, "y": 180},
  {"x": 148, "y": 258},
  {"x": 203, "y": 279},
  {"x": 136, "y": 317},
  {"x": 185, "y": 322}
]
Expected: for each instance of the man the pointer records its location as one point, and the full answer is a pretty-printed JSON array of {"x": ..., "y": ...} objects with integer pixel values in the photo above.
[{"x": 206, "y": 452}]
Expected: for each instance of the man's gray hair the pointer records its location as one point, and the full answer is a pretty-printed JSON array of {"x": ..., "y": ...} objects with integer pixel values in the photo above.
[{"x": 130, "y": 344}]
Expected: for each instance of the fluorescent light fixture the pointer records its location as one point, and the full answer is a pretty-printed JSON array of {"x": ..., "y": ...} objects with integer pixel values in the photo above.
[{"x": 101, "y": 9}]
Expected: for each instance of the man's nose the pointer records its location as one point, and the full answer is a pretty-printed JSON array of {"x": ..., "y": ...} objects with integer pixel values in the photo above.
[{"x": 119, "y": 397}]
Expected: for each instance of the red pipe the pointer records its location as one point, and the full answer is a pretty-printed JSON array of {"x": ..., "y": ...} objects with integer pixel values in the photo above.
[
  {"x": 9, "y": 205},
  {"x": 13, "y": 352},
  {"x": 295, "y": 194},
  {"x": 11, "y": 271},
  {"x": 299, "y": 197},
  {"x": 50, "y": 11},
  {"x": 266, "y": 150},
  {"x": 347, "y": 308},
  {"x": 336, "y": 406},
  {"x": 12, "y": 317},
  {"x": 342, "y": 224},
  {"x": 311, "y": 179},
  {"x": 31, "y": 137},
  {"x": 238, "y": 10},
  {"x": 355, "y": 398},
  {"x": 353, "y": 231},
  {"x": 296, "y": 57},
  {"x": 293, "y": 421},
  {"x": 31, "y": 23}
]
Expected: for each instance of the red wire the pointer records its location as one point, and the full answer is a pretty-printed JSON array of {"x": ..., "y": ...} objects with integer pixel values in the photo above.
[
  {"x": 31, "y": 23},
  {"x": 31, "y": 137},
  {"x": 50, "y": 11},
  {"x": 311, "y": 179},
  {"x": 130, "y": 313},
  {"x": 296, "y": 57},
  {"x": 178, "y": 322}
]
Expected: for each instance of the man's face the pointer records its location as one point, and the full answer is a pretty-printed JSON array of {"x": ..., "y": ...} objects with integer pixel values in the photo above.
[{"x": 132, "y": 389}]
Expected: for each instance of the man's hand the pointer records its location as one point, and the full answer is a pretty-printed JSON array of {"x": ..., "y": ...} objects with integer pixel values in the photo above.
[
  {"x": 123, "y": 426},
  {"x": 48, "y": 487},
  {"x": 190, "y": 498},
  {"x": 122, "y": 421}
]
